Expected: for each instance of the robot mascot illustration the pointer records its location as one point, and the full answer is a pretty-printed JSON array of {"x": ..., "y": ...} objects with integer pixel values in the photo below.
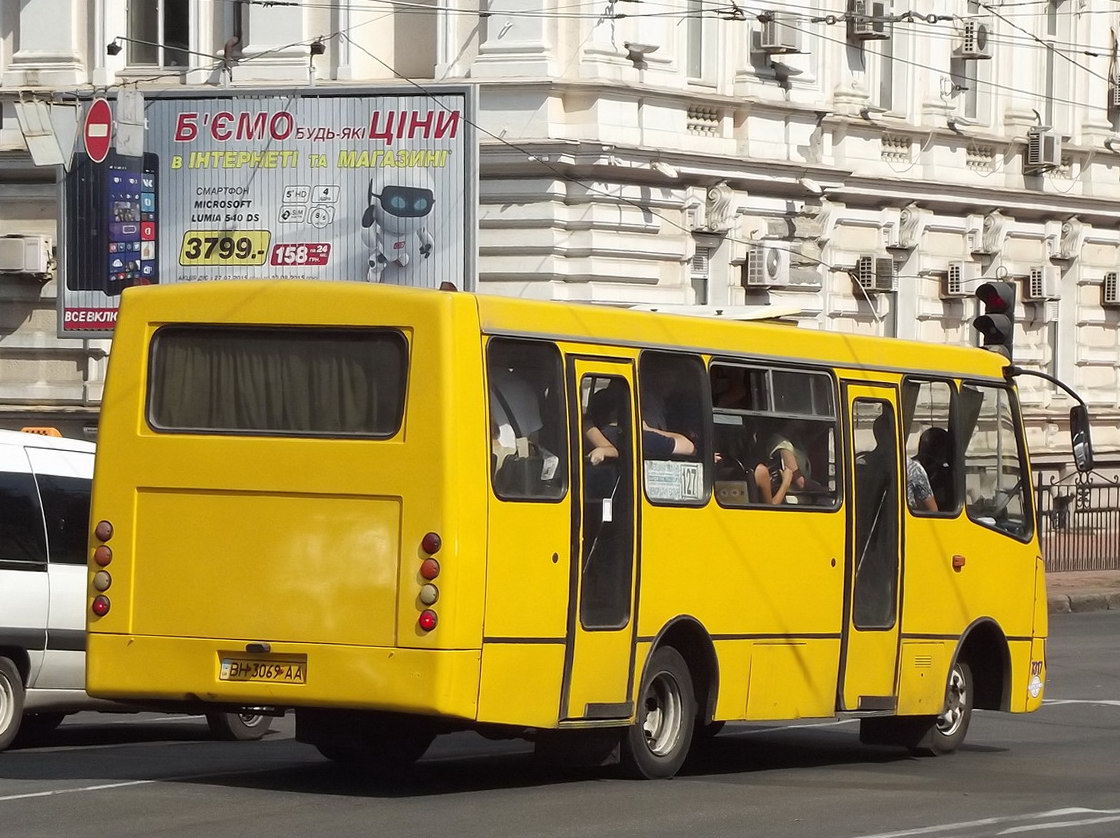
[{"x": 394, "y": 225}]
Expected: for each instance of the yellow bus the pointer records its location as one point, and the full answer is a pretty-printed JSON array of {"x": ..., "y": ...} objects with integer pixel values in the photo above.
[{"x": 404, "y": 512}]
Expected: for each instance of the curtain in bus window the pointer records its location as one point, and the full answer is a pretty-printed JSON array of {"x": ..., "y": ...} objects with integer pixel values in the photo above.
[{"x": 278, "y": 381}]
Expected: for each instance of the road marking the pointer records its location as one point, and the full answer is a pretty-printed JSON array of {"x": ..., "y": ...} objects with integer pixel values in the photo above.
[
  {"x": 1054, "y": 813},
  {"x": 127, "y": 783},
  {"x": 1059, "y": 825},
  {"x": 1106, "y": 702}
]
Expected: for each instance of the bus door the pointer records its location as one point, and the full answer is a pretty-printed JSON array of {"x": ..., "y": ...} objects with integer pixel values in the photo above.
[
  {"x": 869, "y": 655},
  {"x": 598, "y": 662}
]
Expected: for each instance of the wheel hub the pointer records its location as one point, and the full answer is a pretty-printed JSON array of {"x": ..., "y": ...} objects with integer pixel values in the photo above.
[
  {"x": 663, "y": 718},
  {"x": 956, "y": 700}
]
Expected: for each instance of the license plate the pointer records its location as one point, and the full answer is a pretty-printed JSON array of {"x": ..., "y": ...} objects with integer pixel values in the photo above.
[{"x": 268, "y": 671}]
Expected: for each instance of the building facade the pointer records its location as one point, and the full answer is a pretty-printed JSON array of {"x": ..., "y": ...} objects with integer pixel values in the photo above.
[{"x": 863, "y": 164}]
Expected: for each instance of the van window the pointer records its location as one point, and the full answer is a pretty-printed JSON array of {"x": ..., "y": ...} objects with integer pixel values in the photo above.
[
  {"x": 269, "y": 381},
  {"x": 66, "y": 510},
  {"x": 528, "y": 434},
  {"x": 21, "y": 524}
]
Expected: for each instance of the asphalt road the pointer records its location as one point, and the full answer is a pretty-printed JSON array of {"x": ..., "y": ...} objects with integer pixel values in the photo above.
[{"x": 1050, "y": 773}]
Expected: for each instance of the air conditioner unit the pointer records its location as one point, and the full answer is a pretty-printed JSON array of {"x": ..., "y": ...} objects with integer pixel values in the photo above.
[
  {"x": 867, "y": 20},
  {"x": 1043, "y": 283},
  {"x": 954, "y": 284},
  {"x": 876, "y": 274},
  {"x": 766, "y": 267},
  {"x": 779, "y": 33},
  {"x": 1044, "y": 150},
  {"x": 975, "y": 39},
  {"x": 1114, "y": 91},
  {"x": 1111, "y": 289},
  {"x": 25, "y": 254}
]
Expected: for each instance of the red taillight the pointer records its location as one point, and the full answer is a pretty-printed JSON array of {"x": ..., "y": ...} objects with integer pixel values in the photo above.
[
  {"x": 429, "y": 568},
  {"x": 431, "y": 543},
  {"x": 103, "y": 555},
  {"x": 103, "y": 531},
  {"x": 100, "y": 605},
  {"x": 102, "y": 580},
  {"x": 427, "y": 619}
]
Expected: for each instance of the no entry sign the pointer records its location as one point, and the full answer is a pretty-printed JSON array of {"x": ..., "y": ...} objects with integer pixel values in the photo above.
[{"x": 98, "y": 131}]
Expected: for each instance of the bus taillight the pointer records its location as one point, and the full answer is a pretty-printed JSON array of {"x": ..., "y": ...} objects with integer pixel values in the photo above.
[
  {"x": 102, "y": 580},
  {"x": 431, "y": 543},
  {"x": 428, "y": 619},
  {"x": 100, "y": 605},
  {"x": 103, "y": 531},
  {"x": 429, "y": 569},
  {"x": 103, "y": 555},
  {"x": 429, "y": 594}
]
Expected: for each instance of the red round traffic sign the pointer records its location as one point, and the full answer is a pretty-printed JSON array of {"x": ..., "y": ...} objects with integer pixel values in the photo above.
[{"x": 98, "y": 131}]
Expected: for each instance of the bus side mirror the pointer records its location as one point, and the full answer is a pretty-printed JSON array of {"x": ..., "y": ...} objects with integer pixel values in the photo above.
[{"x": 1080, "y": 438}]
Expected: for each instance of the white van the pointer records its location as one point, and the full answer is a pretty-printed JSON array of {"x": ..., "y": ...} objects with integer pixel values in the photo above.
[{"x": 44, "y": 520}]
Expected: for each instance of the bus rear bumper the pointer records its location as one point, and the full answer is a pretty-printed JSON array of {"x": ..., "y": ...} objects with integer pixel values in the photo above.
[{"x": 191, "y": 671}]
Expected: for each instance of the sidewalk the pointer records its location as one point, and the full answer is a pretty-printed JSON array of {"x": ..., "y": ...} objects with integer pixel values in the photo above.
[{"x": 1083, "y": 590}]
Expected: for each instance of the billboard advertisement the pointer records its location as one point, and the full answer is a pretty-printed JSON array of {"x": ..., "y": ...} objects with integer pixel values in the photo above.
[{"x": 370, "y": 187}]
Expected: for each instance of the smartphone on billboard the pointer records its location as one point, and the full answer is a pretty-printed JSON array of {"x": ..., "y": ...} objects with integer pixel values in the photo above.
[{"x": 113, "y": 222}]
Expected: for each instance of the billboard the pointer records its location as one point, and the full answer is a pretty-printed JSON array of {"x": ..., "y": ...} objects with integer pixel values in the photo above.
[{"x": 370, "y": 187}]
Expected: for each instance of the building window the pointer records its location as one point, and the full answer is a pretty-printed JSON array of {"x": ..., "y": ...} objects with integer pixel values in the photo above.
[
  {"x": 159, "y": 32},
  {"x": 700, "y": 273},
  {"x": 1058, "y": 33},
  {"x": 699, "y": 41}
]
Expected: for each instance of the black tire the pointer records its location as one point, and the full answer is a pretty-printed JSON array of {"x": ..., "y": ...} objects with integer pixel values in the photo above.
[
  {"x": 11, "y": 702},
  {"x": 238, "y": 727},
  {"x": 656, "y": 744},
  {"x": 37, "y": 727},
  {"x": 387, "y": 753}
]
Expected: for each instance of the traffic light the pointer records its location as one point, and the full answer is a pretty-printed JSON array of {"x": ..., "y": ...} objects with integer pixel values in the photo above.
[{"x": 997, "y": 323}]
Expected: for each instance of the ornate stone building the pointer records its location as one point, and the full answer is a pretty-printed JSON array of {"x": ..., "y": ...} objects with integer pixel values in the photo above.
[{"x": 862, "y": 163}]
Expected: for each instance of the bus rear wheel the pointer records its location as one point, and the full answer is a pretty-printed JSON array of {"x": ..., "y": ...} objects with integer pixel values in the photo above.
[
  {"x": 656, "y": 744},
  {"x": 238, "y": 727}
]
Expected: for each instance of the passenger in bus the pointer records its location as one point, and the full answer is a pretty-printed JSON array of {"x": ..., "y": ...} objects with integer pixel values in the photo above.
[
  {"x": 515, "y": 413},
  {"x": 933, "y": 457},
  {"x": 772, "y": 488},
  {"x": 729, "y": 390},
  {"x": 658, "y": 442},
  {"x": 781, "y": 454},
  {"x": 601, "y": 429}
]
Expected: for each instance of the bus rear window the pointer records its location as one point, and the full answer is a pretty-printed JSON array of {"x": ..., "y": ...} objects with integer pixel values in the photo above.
[{"x": 269, "y": 381}]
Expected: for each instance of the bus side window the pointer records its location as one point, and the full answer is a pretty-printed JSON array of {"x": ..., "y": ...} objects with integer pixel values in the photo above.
[
  {"x": 931, "y": 459},
  {"x": 528, "y": 439},
  {"x": 676, "y": 428},
  {"x": 994, "y": 473},
  {"x": 775, "y": 436}
]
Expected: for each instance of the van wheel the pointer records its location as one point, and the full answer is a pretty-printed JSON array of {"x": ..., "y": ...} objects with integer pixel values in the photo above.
[
  {"x": 38, "y": 726},
  {"x": 238, "y": 727},
  {"x": 946, "y": 731},
  {"x": 656, "y": 744},
  {"x": 11, "y": 702}
]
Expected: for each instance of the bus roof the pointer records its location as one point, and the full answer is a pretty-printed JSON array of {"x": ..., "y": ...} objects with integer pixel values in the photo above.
[{"x": 295, "y": 302}]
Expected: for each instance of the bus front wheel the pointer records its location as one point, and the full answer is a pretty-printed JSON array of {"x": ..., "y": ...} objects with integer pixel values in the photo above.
[
  {"x": 656, "y": 744},
  {"x": 946, "y": 731}
]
